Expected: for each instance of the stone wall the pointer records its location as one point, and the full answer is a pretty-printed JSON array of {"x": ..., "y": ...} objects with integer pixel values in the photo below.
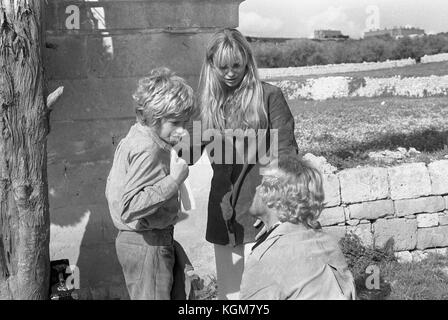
[
  {"x": 344, "y": 87},
  {"x": 98, "y": 50},
  {"x": 270, "y": 73},
  {"x": 408, "y": 202},
  {"x": 435, "y": 58}
]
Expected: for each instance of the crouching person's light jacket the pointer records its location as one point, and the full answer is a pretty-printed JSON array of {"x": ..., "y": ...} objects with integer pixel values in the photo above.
[{"x": 296, "y": 263}]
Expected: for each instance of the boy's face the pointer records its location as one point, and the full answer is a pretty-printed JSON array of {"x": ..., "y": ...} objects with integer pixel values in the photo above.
[{"x": 171, "y": 130}]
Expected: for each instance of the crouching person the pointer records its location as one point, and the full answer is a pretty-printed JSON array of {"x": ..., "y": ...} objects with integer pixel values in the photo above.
[
  {"x": 294, "y": 258},
  {"x": 142, "y": 186}
]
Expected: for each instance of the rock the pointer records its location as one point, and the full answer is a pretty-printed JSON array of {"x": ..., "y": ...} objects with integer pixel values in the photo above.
[
  {"x": 332, "y": 190},
  {"x": 320, "y": 163},
  {"x": 443, "y": 218},
  {"x": 363, "y": 184},
  {"x": 420, "y": 205},
  {"x": 426, "y": 220},
  {"x": 364, "y": 232},
  {"x": 403, "y": 256},
  {"x": 438, "y": 171},
  {"x": 371, "y": 210},
  {"x": 409, "y": 181},
  {"x": 403, "y": 231},
  {"x": 432, "y": 237},
  {"x": 419, "y": 255},
  {"x": 332, "y": 216},
  {"x": 353, "y": 222}
]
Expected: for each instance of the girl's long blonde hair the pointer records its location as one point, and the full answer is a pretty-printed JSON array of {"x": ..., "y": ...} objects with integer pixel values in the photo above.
[{"x": 242, "y": 109}]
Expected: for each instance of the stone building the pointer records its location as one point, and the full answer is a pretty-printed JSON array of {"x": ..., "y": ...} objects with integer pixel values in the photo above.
[
  {"x": 97, "y": 50},
  {"x": 329, "y": 35}
]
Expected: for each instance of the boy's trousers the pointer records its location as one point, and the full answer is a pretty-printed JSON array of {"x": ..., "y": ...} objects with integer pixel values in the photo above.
[{"x": 147, "y": 259}]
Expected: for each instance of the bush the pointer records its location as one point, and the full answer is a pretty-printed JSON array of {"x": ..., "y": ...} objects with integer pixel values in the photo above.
[
  {"x": 359, "y": 258},
  {"x": 306, "y": 52}
]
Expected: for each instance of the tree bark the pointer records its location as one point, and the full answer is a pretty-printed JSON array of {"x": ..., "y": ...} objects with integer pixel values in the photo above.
[{"x": 24, "y": 210}]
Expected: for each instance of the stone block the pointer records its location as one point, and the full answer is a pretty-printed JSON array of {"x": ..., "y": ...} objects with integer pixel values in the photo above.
[
  {"x": 427, "y": 220},
  {"x": 403, "y": 256},
  {"x": 364, "y": 232},
  {"x": 446, "y": 201},
  {"x": 403, "y": 231},
  {"x": 440, "y": 251},
  {"x": 371, "y": 210},
  {"x": 432, "y": 237},
  {"x": 443, "y": 219},
  {"x": 332, "y": 216},
  {"x": 363, "y": 184},
  {"x": 409, "y": 181},
  {"x": 332, "y": 190},
  {"x": 419, "y": 255},
  {"x": 353, "y": 222},
  {"x": 337, "y": 232},
  {"x": 438, "y": 172},
  {"x": 420, "y": 205}
]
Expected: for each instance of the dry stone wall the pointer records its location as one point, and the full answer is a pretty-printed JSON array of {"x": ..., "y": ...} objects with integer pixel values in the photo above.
[
  {"x": 342, "y": 87},
  {"x": 269, "y": 73},
  {"x": 435, "y": 58},
  {"x": 408, "y": 202}
]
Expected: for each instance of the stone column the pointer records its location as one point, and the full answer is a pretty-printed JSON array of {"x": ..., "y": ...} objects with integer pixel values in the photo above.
[{"x": 97, "y": 50}]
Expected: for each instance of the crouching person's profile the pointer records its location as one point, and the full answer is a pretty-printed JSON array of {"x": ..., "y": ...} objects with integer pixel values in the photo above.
[{"x": 294, "y": 258}]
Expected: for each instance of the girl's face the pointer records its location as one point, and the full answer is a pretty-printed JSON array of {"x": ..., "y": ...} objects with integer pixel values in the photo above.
[{"x": 231, "y": 68}]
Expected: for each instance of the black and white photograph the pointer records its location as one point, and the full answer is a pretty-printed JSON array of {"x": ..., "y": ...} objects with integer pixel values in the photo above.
[{"x": 223, "y": 153}]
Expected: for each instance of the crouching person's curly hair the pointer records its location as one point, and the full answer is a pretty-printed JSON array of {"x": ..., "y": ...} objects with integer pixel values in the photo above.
[{"x": 295, "y": 191}]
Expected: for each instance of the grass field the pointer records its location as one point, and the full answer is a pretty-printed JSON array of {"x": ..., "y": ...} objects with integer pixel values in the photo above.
[
  {"x": 345, "y": 130},
  {"x": 417, "y": 70}
]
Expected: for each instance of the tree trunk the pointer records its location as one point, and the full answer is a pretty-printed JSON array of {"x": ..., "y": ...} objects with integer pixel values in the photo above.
[{"x": 24, "y": 212}]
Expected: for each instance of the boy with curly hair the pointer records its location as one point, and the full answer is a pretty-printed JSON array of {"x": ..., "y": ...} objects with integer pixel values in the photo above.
[{"x": 142, "y": 186}]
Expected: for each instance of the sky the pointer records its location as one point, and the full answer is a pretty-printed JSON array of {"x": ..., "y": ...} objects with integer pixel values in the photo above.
[{"x": 299, "y": 18}]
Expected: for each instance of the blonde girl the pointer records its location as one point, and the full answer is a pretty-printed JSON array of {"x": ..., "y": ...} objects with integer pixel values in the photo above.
[{"x": 231, "y": 96}]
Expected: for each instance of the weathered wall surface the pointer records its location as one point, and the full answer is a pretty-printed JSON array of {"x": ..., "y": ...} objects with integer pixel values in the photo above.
[
  {"x": 408, "y": 202},
  {"x": 98, "y": 59}
]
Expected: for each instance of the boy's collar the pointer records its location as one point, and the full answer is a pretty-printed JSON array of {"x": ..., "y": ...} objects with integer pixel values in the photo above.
[{"x": 153, "y": 134}]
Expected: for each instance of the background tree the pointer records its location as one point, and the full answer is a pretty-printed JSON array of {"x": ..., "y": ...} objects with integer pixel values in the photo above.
[{"x": 24, "y": 210}]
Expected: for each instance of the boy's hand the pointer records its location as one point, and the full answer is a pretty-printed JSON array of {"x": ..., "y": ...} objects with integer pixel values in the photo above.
[{"x": 179, "y": 170}]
